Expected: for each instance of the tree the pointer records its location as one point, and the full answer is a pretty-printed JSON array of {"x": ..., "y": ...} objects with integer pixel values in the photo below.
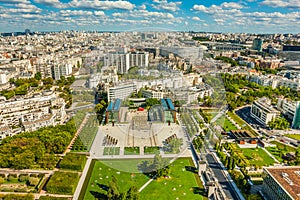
[
  {"x": 132, "y": 193},
  {"x": 99, "y": 108},
  {"x": 113, "y": 192},
  {"x": 38, "y": 76},
  {"x": 152, "y": 101}
]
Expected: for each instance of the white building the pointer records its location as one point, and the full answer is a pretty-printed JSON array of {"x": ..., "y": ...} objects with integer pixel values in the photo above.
[
  {"x": 263, "y": 111},
  {"x": 123, "y": 61},
  {"x": 153, "y": 94},
  {"x": 121, "y": 91},
  {"x": 290, "y": 109},
  {"x": 3, "y": 78}
]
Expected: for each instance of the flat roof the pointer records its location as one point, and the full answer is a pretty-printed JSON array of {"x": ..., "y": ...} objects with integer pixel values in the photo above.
[
  {"x": 288, "y": 177},
  {"x": 241, "y": 134}
]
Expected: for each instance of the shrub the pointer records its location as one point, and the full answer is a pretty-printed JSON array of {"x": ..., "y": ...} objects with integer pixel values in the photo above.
[
  {"x": 33, "y": 181},
  {"x": 73, "y": 161},
  {"x": 62, "y": 183},
  {"x": 23, "y": 177},
  {"x": 2, "y": 180}
]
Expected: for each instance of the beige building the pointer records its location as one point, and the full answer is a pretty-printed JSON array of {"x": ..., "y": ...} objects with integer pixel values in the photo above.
[{"x": 281, "y": 183}]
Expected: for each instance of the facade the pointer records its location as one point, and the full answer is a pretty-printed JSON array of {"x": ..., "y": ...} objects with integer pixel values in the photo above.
[
  {"x": 123, "y": 61},
  {"x": 263, "y": 111},
  {"x": 3, "y": 78},
  {"x": 112, "y": 113},
  {"x": 281, "y": 183},
  {"x": 296, "y": 119},
  {"x": 120, "y": 91},
  {"x": 291, "y": 110},
  {"x": 32, "y": 114},
  {"x": 61, "y": 70},
  {"x": 153, "y": 94},
  {"x": 257, "y": 44}
]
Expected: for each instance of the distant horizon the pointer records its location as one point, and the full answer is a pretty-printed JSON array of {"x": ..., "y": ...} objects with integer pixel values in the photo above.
[
  {"x": 234, "y": 16},
  {"x": 158, "y": 31}
]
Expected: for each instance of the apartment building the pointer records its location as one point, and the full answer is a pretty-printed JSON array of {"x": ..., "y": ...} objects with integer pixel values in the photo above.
[
  {"x": 263, "y": 111},
  {"x": 123, "y": 61},
  {"x": 281, "y": 183},
  {"x": 291, "y": 110},
  {"x": 32, "y": 113}
]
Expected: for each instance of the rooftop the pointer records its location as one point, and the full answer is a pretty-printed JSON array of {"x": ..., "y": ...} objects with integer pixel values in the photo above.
[
  {"x": 167, "y": 104},
  {"x": 288, "y": 177},
  {"x": 114, "y": 106}
]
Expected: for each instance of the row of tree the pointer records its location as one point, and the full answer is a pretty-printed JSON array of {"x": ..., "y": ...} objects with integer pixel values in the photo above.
[{"x": 36, "y": 149}]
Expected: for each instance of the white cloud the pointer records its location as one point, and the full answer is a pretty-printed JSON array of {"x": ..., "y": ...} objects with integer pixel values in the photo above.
[
  {"x": 165, "y": 5},
  {"x": 196, "y": 19},
  {"x": 99, "y": 13},
  {"x": 67, "y": 13},
  {"x": 231, "y": 5},
  {"x": 282, "y": 3},
  {"x": 14, "y": 1},
  {"x": 200, "y": 8},
  {"x": 102, "y": 5},
  {"x": 52, "y": 3}
]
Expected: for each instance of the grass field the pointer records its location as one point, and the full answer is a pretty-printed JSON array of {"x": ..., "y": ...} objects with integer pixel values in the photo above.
[
  {"x": 240, "y": 122},
  {"x": 186, "y": 182},
  {"x": 151, "y": 150},
  {"x": 284, "y": 147},
  {"x": 257, "y": 156},
  {"x": 131, "y": 150},
  {"x": 111, "y": 151},
  {"x": 226, "y": 124},
  {"x": 125, "y": 171},
  {"x": 182, "y": 184},
  {"x": 87, "y": 134},
  {"x": 276, "y": 153},
  {"x": 293, "y": 136}
]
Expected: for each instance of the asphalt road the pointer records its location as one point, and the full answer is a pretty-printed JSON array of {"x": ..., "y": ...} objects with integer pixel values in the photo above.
[{"x": 225, "y": 184}]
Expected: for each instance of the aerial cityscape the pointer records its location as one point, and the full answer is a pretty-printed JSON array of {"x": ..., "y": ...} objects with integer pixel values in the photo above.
[{"x": 149, "y": 100}]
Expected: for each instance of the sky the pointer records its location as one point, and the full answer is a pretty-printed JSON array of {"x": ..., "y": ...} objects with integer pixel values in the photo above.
[{"x": 247, "y": 16}]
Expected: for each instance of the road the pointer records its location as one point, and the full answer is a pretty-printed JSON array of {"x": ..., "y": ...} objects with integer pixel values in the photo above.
[{"x": 223, "y": 181}]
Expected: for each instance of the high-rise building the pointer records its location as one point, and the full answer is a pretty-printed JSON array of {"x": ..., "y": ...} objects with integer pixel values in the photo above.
[
  {"x": 296, "y": 119},
  {"x": 123, "y": 61},
  {"x": 291, "y": 110},
  {"x": 59, "y": 70},
  {"x": 257, "y": 44}
]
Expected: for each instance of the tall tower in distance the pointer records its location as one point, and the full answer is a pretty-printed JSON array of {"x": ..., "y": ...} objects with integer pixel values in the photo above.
[{"x": 257, "y": 44}]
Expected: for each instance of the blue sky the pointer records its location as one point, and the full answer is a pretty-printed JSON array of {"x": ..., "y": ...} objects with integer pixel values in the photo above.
[{"x": 250, "y": 16}]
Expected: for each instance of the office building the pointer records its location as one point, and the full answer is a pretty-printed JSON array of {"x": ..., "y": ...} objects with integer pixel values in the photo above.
[
  {"x": 120, "y": 91},
  {"x": 153, "y": 94},
  {"x": 291, "y": 110},
  {"x": 263, "y": 111},
  {"x": 257, "y": 44},
  {"x": 281, "y": 183}
]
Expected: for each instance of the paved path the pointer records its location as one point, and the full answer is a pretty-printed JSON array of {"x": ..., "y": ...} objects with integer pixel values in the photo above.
[{"x": 82, "y": 179}]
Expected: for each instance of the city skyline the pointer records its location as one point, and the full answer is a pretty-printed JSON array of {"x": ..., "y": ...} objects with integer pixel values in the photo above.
[{"x": 251, "y": 16}]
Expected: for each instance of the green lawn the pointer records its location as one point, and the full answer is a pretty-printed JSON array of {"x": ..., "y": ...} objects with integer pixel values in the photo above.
[
  {"x": 111, "y": 151},
  {"x": 257, "y": 156},
  {"x": 182, "y": 177},
  {"x": 131, "y": 150},
  {"x": 240, "y": 122},
  {"x": 276, "y": 153},
  {"x": 86, "y": 136},
  {"x": 284, "y": 147},
  {"x": 125, "y": 171},
  {"x": 151, "y": 150},
  {"x": 225, "y": 123},
  {"x": 182, "y": 184},
  {"x": 293, "y": 136}
]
